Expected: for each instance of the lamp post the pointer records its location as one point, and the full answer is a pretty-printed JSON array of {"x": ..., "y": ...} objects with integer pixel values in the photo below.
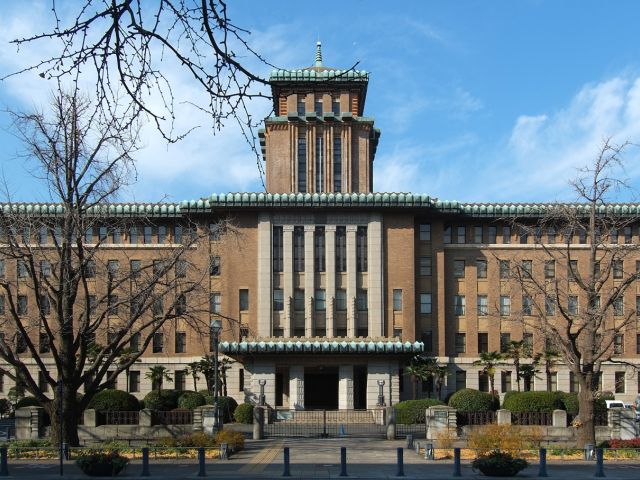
[
  {"x": 380, "y": 393},
  {"x": 215, "y": 329},
  {"x": 262, "y": 400}
]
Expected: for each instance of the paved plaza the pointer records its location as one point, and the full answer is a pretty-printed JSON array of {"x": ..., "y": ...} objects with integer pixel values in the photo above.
[{"x": 320, "y": 459}]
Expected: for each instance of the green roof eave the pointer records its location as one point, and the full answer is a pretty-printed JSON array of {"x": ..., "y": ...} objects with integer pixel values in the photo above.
[
  {"x": 309, "y": 75},
  {"x": 321, "y": 346},
  {"x": 105, "y": 210}
]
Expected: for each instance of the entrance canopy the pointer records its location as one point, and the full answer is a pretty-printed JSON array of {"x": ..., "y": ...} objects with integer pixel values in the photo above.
[{"x": 271, "y": 346}]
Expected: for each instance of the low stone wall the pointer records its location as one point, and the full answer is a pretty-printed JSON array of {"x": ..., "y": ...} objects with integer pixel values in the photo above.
[{"x": 129, "y": 433}]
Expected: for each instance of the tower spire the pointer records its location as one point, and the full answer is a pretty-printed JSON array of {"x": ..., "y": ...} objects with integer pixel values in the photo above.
[{"x": 318, "y": 54}]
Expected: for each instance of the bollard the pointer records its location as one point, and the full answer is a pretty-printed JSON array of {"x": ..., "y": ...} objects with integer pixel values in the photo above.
[
  {"x": 589, "y": 452},
  {"x": 343, "y": 462},
  {"x": 428, "y": 451},
  {"x": 409, "y": 441},
  {"x": 65, "y": 451},
  {"x": 542, "y": 471},
  {"x": 400, "y": 471},
  {"x": 599, "y": 463},
  {"x": 287, "y": 471},
  {"x": 201, "y": 466},
  {"x": 456, "y": 463},
  {"x": 4, "y": 466},
  {"x": 145, "y": 462},
  {"x": 418, "y": 448}
]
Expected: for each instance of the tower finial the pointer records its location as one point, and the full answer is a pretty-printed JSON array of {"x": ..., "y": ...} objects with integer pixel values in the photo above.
[{"x": 318, "y": 54}]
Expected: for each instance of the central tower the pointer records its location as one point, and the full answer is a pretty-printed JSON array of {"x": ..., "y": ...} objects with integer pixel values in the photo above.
[{"x": 319, "y": 141}]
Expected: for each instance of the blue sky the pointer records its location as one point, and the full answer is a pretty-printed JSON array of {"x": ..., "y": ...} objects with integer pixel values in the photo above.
[{"x": 477, "y": 101}]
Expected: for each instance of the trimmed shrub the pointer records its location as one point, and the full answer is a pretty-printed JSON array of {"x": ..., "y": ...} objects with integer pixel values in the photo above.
[
  {"x": 227, "y": 406},
  {"x": 412, "y": 411},
  {"x": 114, "y": 401},
  {"x": 243, "y": 413},
  {"x": 207, "y": 396},
  {"x": 28, "y": 402},
  {"x": 234, "y": 440},
  {"x": 533, "y": 402},
  {"x": 191, "y": 400},
  {"x": 102, "y": 464},
  {"x": 166, "y": 400},
  {"x": 194, "y": 440},
  {"x": 468, "y": 400},
  {"x": 499, "y": 464}
]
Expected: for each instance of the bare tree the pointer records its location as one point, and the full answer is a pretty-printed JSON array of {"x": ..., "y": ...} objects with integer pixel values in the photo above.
[
  {"x": 78, "y": 311},
  {"x": 577, "y": 304}
]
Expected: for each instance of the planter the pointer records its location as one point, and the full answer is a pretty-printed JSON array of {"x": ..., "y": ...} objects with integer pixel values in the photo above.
[
  {"x": 102, "y": 464},
  {"x": 499, "y": 464}
]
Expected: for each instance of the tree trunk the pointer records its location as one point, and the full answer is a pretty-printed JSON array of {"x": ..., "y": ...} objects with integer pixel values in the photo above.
[
  {"x": 70, "y": 416},
  {"x": 587, "y": 429},
  {"x": 195, "y": 384}
]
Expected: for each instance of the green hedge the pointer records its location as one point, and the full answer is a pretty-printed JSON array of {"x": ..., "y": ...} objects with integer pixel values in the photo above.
[
  {"x": 243, "y": 413},
  {"x": 468, "y": 400},
  {"x": 227, "y": 406},
  {"x": 412, "y": 411},
  {"x": 533, "y": 402},
  {"x": 166, "y": 400},
  {"x": 191, "y": 400},
  {"x": 571, "y": 404},
  {"x": 114, "y": 401}
]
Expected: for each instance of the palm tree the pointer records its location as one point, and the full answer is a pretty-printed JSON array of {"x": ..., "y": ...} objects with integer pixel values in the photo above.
[
  {"x": 516, "y": 350},
  {"x": 158, "y": 375},
  {"x": 193, "y": 369},
  {"x": 438, "y": 372},
  {"x": 417, "y": 370},
  {"x": 489, "y": 361},
  {"x": 528, "y": 372},
  {"x": 549, "y": 357}
]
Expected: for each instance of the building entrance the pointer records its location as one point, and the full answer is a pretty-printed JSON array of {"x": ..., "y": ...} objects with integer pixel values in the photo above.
[{"x": 321, "y": 388}]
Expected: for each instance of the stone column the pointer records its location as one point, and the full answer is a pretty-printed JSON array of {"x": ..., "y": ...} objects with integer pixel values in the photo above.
[
  {"x": 309, "y": 280},
  {"x": 296, "y": 387},
  {"x": 264, "y": 371},
  {"x": 287, "y": 242},
  {"x": 351, "y": 280},
  {"x": 330, "y": 264},
  {"x": 345, "y": 387},
  {"x": 559, "y": 418},
  {"x": 503, "y": 417},
  {"x": 378, "y": 370},
  {"x": 265, "y": 268},
  {"x": 28, "y": 423},
  {"x": 375, "y": 277}
]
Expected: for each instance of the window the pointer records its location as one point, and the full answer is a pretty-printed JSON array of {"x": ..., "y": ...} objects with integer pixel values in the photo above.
[
  {"x": 618, "y": 268},
  {"x": 425, "y": 232},
  {"x": 460, "y": 342},
  {"x": 549, "y": 305},
  {"x": 549, "y": 269},
  {"x": 88, "y": 235},
  {"x": 341, "y": 249},
  {"x": 134, "y": 343},
  {"x": 505, "y": 269},
  {"x": 483, "y": 382},
  {"x": 243, "y": 295},
  {"x": 319, "y": 167},
  {"x": 618, "y": 307},
  {"x": 162, "y": 234},
  {"x": 136, "y": 267},
  {"x": 181, "y": 342},
  {"x": 620, "y": 385},
  {"x": 133, "y": 235},
  {"x": 112, "y": 304},
  {"x": 23, "y": 305},
  {"x": 341, "y": 300},
  {"x": 553, "y": 381},
  {"x": 215, "y": 302},
  {"x": 177, "y": 234},
  {"x": 527, "y": 304},
  {"x": 319, "y": 249},
  {"x": 92, "y": 301},
  {"x": 158, "y": 342},
  {"x": 214, "y": 232},
  {"x": 302, "y": 158},
  {"x": 158, "y": 268},
  {"x": 45, "y": 304},
  {"x": 574, "y": 384},
  {"x": 298, "y": 249},
  {"x": 44, "y": 344},
  {"x": 278, "y": 250},
  {"x": 461, "y": 380},
  {"x": 582, "y": 236},
  {"x": 361, "y": 249},
  {"x": 425, "y": 266},
  {"x": 22, "y": 269},
  {"x": 148, "y": 235},
  {"x": 335, "y": 105},
  {"x": 492, "y": 233},
  {"x": 477, "y": 234},
  {"x": 43, "y": 384},
  {"x": 505, "y": 340},
  {"x": 43, "y": 235},
  {"x": 318, "y": 105},
  {"x": 551, "y": 235},
  {"x": 320, "y": 300},
  {"x": 298, "y": 300},
  {"x": 506, "y": 234},
  {"x": 481, "y": 267},
  {"x": 278, "y": 299},
  {"x": 524, "y": 236},
  {"x": 627, "y": 234},
  {"x": 362, "y": 300},
  {"x": 613, "y": 235},
  {"x": 113, "y": 266},
  {"x": 527, "y": 268},
  {"x": 181, "y": 268},
  {"x": 427, "y": 340},
  {"x": 425, "y": 303},
  {"x": 483, "y": 342},
  {"x": 134, "y": 381},
  {"x": 458, "y": 268},
  {"x": 527, "y": 341},
  {"x": 301, "y": 105},
  {"x": 459, "y": 306},
  {"x": 116, "y": 235},
  {"x": 446, "y": 234},
  {"x": 45, "y": 268},
  {"x": 572, "y": 271},
  {"x": 572, "y": 305},
  {"x": 505, "y": 305},
  {"x": 337, "y": 161},
  {"x": 181, "y": 304},
  {"x": 505, "y": 381},
  {"x": 461, "y": 236},
  {"x": 483, "y": 305},
  {"x": 241, "y": 380},
  {"x": 618, "y": 344},
  {"x": 397, "y": 300},
  {"x": 214, "y": 266}
]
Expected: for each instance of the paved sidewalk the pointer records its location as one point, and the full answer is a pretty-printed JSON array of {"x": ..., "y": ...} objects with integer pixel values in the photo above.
[{"x": 319, "y": 459}]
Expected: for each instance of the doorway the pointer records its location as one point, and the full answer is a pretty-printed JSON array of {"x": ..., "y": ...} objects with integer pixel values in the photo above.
[{"x": 321, "y": 388}]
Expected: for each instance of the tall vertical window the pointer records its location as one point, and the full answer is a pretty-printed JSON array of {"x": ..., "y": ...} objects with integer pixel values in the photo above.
[
  {"x": 481, "y": 268},
  {"x": 483, "y": 342},
  {"x": 214, "y": 265},
  {"x": 319, "y": 173},
  {"x": 318, "y": 105},
  {"x": 215, "y": 302},
  {"x": 551, "y": 235},
  {"x": 425, "y": 303},
  {"x": 181, "y": 342},
  {"x": 397, "y": 300},
  {"x": 549, "y": 268},
  {"x": 627, "y": 234},
  {"x": 162, "y": 234},
  {"x": 459, "y": 304},
  {"x": 362, "y": 300},
  {"x": 319, "y": 250},
  {"x": 483, "y": 305},
  {"x": 341, "y": 301},
  {"x": 425, "y": 232},
  {"x": 243, "y": 299},
  {"x": 426, "y": 266},
  {"x": 158, "y": 342},
  {"x": 461, "y": 234},
  {"x": 298, "y": 249},
  {"x": 148, "y": 233},
  {"x": 298, "y": 300},
  {"x": 278, "y": 299},
  {"x": 506, "y": 234},
  {"x": 477, "y": 234},
  {"x": 458, "y": 268},
  {"x": 341, "y": 249},
  {"x": 361, "y": 249},
  {"x": 335, "y": 105},
  {"x": 300, "y": 105},
  {"x": 492, "y": 233},
  {"x": 302, "y": 160},
  {"x": 320, "y": 300},
  {"x": 177, "y": 234},
  {"x": 446, "y": 234},
  {"x": 278, "y": 249},
  {"x": 505, "y": 269},
  {"x": 505, "y": 340},
  {"x": 505, "y": 305},
  {"x": 134, "y": 381},
  {"x": 460, "y": 345},
  {"x": 133, "y": 235},
  {"x": 337, "y": 161}
]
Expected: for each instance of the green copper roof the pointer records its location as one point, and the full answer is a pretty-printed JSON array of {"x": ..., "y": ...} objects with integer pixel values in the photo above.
[
  {"x": 324, "y": 75},
  {"x": 322, "y": 346}
]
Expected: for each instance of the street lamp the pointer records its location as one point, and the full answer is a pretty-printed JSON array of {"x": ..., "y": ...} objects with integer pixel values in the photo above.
[
  {"x": 215, "y": 329},
  {"x": 380, "y": 393}
]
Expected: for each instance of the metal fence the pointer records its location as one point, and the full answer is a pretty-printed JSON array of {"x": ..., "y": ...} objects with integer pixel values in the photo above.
[
  {"x": 173, "y": 417},
  {"x": 475, "y": 418},
  {"x": 118, "y": 418},
  {"x": 532, "y": 418},
  {"x": 325, "y": 423}
]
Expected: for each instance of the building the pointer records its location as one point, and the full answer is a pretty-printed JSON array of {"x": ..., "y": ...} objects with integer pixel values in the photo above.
[{"x": 327, "y": 288}]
